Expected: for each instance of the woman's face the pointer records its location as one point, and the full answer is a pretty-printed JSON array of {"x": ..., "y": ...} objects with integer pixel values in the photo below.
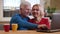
[{"x": 36, "y": 11}]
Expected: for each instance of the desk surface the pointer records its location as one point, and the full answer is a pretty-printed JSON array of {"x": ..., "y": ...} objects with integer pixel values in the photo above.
[{"x": 26, "y": 32}]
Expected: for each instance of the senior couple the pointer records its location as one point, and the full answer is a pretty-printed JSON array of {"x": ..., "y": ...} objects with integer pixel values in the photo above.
[{"x": 25, "y": 23}]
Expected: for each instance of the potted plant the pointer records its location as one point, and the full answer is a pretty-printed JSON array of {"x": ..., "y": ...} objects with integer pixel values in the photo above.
[{"x": 50, "y": 11}]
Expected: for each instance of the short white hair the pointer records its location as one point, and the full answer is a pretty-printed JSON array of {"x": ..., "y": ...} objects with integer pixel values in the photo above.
[{"x": 25, "y": 3}]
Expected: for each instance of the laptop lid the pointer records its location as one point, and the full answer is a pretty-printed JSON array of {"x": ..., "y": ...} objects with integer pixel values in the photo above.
[{"x": 55, "y": 24}]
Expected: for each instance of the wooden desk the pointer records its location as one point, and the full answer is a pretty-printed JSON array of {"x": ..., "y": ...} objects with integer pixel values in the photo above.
[{"x": 26, "y": 32}]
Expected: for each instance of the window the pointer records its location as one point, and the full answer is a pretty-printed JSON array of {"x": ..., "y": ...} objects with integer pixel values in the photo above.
[
  {"x": 33, "y": 2},
  {"x": 10, "y": 7}
]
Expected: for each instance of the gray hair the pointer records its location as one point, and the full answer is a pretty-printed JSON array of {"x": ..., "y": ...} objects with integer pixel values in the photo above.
[{"x": 25, "y": 3}]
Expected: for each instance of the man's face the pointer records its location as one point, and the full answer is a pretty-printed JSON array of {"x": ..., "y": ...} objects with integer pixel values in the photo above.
[{"x": 25, "y": 10}]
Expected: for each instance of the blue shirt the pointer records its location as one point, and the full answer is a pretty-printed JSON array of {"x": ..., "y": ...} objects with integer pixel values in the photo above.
[{"x": 23, "y": 23}]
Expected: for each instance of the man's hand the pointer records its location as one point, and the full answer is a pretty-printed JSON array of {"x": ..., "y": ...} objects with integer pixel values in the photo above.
[{"x": 43, "y": 25}]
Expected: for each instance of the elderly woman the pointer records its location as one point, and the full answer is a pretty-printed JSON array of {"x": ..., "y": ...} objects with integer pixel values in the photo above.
[{"x": 39, "y": 17}]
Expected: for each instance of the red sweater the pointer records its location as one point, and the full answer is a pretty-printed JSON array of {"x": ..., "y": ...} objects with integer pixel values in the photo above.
[{"x": 42, "y": 21}]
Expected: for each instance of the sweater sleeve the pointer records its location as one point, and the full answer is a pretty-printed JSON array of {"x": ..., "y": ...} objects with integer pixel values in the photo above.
[
  {"x": 26, "y": 24},
  {"x": 47, "y": 23}
]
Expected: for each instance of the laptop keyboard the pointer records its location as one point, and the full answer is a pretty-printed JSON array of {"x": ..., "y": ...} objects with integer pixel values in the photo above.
[{"x": 49, "y": 31}]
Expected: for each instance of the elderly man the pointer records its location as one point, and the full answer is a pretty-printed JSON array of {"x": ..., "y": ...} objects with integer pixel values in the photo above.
[{"x": 21, "y": 19}]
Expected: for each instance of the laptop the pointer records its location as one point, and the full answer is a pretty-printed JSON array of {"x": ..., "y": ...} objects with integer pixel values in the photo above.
[{"x": 55, "y": 24}]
